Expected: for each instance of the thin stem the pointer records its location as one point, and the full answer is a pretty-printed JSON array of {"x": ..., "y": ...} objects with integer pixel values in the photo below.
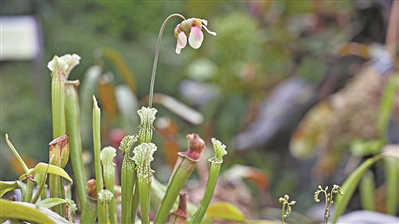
[
  {"x": 282, "y": 213},
  {"x": 97, "y": 145},
  {"x": 16, "y": 154},
  {"x": 154, "y": 67},
  {"x": 326, "y": 208}
]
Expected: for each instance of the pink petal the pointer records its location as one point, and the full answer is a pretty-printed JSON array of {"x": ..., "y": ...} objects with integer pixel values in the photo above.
[
  {"x": 181, "y": 42},
  {"x": 196, "y": 37}
]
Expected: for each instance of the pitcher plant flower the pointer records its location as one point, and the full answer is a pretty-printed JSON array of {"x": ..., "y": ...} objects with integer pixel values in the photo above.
[{"x": 193, "y": 29}]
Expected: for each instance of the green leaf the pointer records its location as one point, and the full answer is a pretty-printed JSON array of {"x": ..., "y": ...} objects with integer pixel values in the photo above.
[
  {"x": 367, "y": 191},
  {"x": 226, "y": 211},
  {"x": 51, "y": 202},
  {"x": 42, "y": 168},
  {"x": 350, "y": 184},
  {"x": 386, "y": 105},
  {"x": 28, "y": 212},
  {"x": 391, "y": 174},
  {"x": 6, "y": 186}
]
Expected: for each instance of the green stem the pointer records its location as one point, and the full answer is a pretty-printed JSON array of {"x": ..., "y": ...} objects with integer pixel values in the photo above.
[
  {"x": 16, "y": 154},
  {"x": 135, "y": 204},
  {"x": 72, "y": 117},
  {"x": 391, "y": 169},
  {"x": 30, "y": 184},
  {"x": 127, "y": 182},
  {"x": 179, "y": 177},
  {"x": 128, "y": 178},
  {"x": 97, "y": 145},
  {"x": 143, "y": 155},
  {"x": 282, "y": 213},
  {"x": 58, "y": 116},
  {"x": 58, "y": 99},
  {"x": 326, "y": 207},
  {"x": 89, "y": 212},
  {"x": 107, "y": 156},
  {"x": 144, "y": 187},
  {"x": 154, "y": 67},
  {"x": 40, "y": 178},
  {"x": 216, "y": 162},
  {"x": 58, "y": 156},
  {"x": 104, "y": 198},
  {"x": 210, "y": 188}
]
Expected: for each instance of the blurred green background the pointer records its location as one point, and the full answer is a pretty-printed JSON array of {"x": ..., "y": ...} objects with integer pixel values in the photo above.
[{"x": 259, "y": 44}]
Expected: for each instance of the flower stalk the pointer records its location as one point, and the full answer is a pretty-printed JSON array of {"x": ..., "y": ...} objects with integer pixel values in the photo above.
[
  {"x": 127, "y": 178},
  {"x": 216, "y": 162},
  {"x": 329, "y": 201},
  {"x": 107, "y": 156},
  {"x": 158, "y": 47},
  {"x": 185, "y": 165},
  {"x": 286, "y": 209}
]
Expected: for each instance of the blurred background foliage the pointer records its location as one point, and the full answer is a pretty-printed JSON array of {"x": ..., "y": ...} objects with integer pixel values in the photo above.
[{"x": 259, "y": 45}]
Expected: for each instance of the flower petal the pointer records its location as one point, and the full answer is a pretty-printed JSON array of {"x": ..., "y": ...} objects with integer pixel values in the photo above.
[
  {"x": 181, "y": 42},
  {"x": 196, "y": 37},
  {"x": 204, "y": 22}
]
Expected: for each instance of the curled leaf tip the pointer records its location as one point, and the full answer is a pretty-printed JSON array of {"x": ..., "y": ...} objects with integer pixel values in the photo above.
[
  {"x": 107, "y": 155},
  {"x": 57, "y": 64},
  {"x": 220, "y": 151},
  {"x": 143, "y": 155},
  {"x": 127, "y": 143},
  {"x": 195, "y": 147},
  {"x": 105, "y": 196},
  {"x": 147, "y": 117},
  {"x": 60, "y": 141}
]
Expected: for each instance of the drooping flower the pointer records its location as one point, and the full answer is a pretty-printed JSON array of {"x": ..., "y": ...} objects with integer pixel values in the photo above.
[{"x": 191, "y": 28}]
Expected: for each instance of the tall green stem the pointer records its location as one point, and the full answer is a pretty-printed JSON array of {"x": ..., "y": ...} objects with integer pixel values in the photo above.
[
  {"x": 58, "y": 97},
  {"x": 185, "y": 165},
  {"x": 143, "y": 155},
  {"x": 72, "y": 116},
  {"x": 216, "y": 162},
  {"x": 97, "y": 145},
  {"x": 127, "y": 178},
  {"x": 58, "y": 73},
  {"x": 154, "y": 67},
  {"x": 107, "y": 155}
]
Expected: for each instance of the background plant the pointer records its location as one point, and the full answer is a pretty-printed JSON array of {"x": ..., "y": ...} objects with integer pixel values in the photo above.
[{"x": 287, "y": 31}]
